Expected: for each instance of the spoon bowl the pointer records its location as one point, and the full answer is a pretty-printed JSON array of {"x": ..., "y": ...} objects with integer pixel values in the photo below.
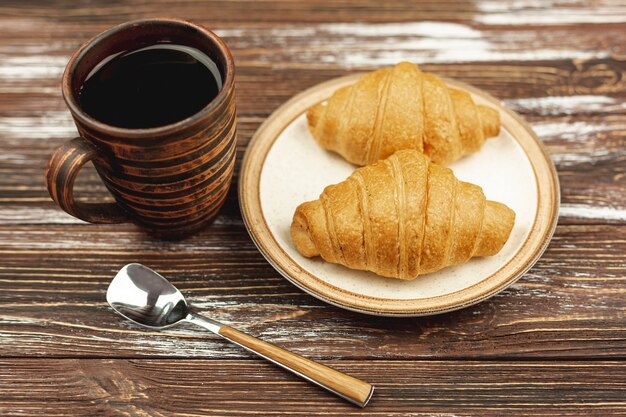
[{"x": 147, "y": 298}]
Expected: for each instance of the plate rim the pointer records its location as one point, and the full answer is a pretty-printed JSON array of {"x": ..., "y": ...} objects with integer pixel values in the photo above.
[{"x": 544, "y": 224}]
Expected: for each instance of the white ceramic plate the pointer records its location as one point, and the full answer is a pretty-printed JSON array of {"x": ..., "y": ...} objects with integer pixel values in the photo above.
[{"x": 284, "y": 167}]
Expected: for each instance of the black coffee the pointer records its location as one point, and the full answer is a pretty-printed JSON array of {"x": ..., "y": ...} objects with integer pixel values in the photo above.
[{"x": 149, "y": 87}]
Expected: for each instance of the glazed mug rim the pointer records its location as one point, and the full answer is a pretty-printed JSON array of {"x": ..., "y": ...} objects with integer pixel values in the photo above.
[{"x": 158, "y": 131}]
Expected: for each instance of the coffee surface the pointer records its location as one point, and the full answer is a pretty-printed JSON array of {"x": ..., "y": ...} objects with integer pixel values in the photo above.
[{"x": 149, "y": 87}]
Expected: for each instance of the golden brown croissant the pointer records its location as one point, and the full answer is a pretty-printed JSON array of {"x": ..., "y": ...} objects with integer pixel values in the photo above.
[
  {"x": 401, "y": 108},
  {"x": 400, "y": 218}
]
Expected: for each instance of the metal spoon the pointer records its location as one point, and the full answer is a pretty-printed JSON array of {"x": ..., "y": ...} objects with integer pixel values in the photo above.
[{"x": 145, "y": 297}]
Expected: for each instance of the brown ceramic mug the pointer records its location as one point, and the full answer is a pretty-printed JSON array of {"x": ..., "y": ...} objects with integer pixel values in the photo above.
[{"x": 170, "y": 179}]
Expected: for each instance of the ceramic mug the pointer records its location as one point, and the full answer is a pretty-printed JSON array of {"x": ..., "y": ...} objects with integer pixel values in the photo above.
[{"x": 170, "y": 179}]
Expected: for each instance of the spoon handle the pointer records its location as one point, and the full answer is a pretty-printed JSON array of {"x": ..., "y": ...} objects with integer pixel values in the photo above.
[
  {"x": 352, "y": 389},
  {"x": 346, "y": 386}
]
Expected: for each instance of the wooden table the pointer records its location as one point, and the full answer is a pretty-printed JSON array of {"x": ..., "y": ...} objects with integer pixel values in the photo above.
[{"x": 552, "y": 344}]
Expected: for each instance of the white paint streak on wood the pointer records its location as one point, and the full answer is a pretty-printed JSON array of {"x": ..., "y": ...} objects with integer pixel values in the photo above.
[
  {"x": 32, "y": 66},
  {"x": 556, "y": 17},
  {"x": 566, "y": 105},
  {"x": 345, "y": 45},
  {"x": 14, "y": 159},
  {"x": 351, "y": 45},
  {"x": 451, "y": 52},
  {"x": 35, "y": 215},
  {"x": 548, "y": 12},
  {"x": 581, "y": 141},
  {"x": 490, "y": 6},
  {"x": 36, "y": 48},
  {"x": 178, "y": 342},
  {"x": 350, "y": 32},
  {"x": 583, "y": 211},
  {"x": 566, "y": 159},
  {"x": 578, "y": 131},
  {"x": 25, "y": 88},
  {"x": 437, "y": 30},
  {"x": 46, "y": 125}
]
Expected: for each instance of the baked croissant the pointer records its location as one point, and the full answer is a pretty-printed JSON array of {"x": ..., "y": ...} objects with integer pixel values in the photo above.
[
  {"x": 401, "y": 108},
  {"x": 400, "y": 218}
]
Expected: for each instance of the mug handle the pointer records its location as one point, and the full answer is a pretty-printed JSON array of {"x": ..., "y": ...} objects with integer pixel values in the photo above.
[{"x": 63, "y": 167}]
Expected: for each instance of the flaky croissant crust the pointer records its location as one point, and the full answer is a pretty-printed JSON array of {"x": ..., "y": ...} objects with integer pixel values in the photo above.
[
  {"x": 400, "y": 218},
  {"x": 401, "y": 108}
]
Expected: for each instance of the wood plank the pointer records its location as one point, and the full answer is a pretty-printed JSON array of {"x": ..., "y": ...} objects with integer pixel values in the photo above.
[
  {"x": 534, "y": 62},
  {"x": 521, "y": 12},
  {"x": 54, "y": 279},
  {"x": 180, "y": 388}
]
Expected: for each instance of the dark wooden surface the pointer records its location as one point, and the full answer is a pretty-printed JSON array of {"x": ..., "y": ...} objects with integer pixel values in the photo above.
[{"x": 552, "y": 344}]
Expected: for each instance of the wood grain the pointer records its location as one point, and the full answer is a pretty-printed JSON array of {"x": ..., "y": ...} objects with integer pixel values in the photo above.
[
  {"x": 177, "y": 388},
  {"x": 489, "y": 12},
  {"x": 561, "y": 64},
  {"x": 569, "y": 305}
]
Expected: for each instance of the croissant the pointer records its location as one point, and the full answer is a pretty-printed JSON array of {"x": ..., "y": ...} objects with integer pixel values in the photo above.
[
  {"x": 401, "y": 217},
  {"x": 401, "y": 108}
]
